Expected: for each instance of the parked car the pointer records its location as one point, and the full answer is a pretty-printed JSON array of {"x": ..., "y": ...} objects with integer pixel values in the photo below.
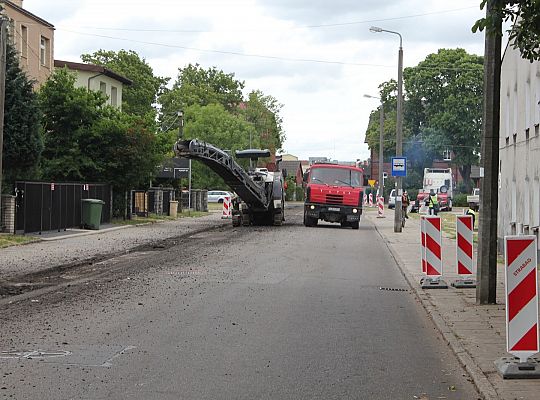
[
  {"x": 392, "y": 199},
  {"x": 217, "y": 196}
]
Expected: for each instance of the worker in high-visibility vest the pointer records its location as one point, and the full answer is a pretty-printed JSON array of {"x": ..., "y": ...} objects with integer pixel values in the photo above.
[
  {"x": 433, "y": 203},
  {"x": 471, "y": 211}
]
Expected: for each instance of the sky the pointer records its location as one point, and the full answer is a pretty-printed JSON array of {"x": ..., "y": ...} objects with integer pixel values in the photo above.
[{"x": 316, "y": 57}]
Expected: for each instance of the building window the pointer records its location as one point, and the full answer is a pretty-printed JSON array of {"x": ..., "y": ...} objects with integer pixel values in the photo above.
[
  {"x": 24, "y": 41},
  {"x": 45, "y": 52},
  {"x": 114, "y": 96},
  {"x": 103, "y": 88}
]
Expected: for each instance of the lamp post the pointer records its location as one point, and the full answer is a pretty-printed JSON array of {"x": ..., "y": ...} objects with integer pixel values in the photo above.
[
  {"x": 399, "y": 126},
  {"x": 381, "y": 143}
]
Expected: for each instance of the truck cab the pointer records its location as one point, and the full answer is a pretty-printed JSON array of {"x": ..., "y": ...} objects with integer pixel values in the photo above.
[{"x": 334, "y": 194}]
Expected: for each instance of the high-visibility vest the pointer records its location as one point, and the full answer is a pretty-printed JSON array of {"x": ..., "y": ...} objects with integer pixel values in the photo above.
[{"x": 433, "y": 201}]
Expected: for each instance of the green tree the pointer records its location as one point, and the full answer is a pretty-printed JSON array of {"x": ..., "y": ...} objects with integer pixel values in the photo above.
[
  {"x": 140, "y": 97},
  {"x": 263, "y": 112},
  {"x": 196, "y": 85},
  {"x": 213, "y": 124},
  {"x": 23, "y": 142},
  {"x": 68, "y": 116},
  {"x": 525, "y": 31},
  {"x": 445, "y": 97}
]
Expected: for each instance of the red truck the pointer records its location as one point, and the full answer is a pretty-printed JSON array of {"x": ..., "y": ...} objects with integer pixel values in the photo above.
[{"x": 334, "y": 193}]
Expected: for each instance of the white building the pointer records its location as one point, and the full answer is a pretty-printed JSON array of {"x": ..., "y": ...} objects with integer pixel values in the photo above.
[
  {"x": 519, "y": 163},
  {"x": 97, "y": 78}
]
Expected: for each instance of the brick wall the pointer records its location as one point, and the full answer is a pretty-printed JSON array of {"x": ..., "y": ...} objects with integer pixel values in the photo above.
[{"x": 7, "y": 224}]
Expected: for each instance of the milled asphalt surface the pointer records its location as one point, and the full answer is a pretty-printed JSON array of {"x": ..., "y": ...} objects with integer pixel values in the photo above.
[
  {"x": 261, "y": 312},
  {"x": 76, "y": 245},
  {"x": 476, "y": 333}
]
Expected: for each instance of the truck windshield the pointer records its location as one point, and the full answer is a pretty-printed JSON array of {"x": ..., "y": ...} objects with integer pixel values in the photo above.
[{"x": 336, "y": 177}]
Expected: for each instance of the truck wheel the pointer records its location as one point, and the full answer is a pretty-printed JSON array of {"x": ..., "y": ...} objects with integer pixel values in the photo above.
[
  {"x": 355, "y": 224},
  {"x": 245, "y": 219},
  {"x": 278, "y": 219},
  {"x": 309, "y": 221}
]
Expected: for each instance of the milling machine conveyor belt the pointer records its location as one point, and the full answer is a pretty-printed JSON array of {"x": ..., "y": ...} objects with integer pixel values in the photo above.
[{"x": 224, "y": 165}]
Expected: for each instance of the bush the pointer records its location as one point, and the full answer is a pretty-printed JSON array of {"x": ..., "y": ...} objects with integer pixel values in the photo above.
[
  {"x": 299, "y": 193},
  {"x": 459, "y": 200}
]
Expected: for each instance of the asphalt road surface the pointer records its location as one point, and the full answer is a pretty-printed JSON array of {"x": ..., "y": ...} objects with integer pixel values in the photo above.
[{"x": 236, "y": 313}]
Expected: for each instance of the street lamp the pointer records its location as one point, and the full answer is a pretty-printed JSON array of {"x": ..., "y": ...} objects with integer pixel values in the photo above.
[
  {"x": 399, "y": 125},
  {"x": 180, "y": 124},
  {"x": 381, "y": 152}
]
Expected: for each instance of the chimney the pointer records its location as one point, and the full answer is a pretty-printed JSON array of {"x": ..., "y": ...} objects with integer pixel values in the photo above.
[{"x": 17, "y": 2}]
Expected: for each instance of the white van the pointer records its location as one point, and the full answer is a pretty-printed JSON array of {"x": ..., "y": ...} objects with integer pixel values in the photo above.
[{"x": 392, "y": 199}]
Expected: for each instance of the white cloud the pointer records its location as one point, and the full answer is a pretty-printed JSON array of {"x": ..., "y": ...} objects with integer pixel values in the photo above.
[{"x": 324, "y": 109}]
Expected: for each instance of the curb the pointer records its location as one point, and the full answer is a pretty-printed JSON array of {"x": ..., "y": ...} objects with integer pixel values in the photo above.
[
  {"x": 86, "y": 233},
  {"x": 482, "y": 383}
]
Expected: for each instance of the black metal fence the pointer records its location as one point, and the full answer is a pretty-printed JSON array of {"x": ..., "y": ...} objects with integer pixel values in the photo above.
[{"x": 45, "y": 206}]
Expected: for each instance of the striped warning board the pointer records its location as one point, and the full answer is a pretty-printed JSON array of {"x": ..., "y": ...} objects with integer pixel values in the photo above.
[
  {"x": 464, "y": 245},
  {"x": 433, "y": 241},
  {"x": 371, "y": 199},
  {"x": 423, "y": 241},
  {"x": 521, "y": 296},
  {"x": 365, "y": 199},
  {"x": 227, "y": 209},
  {"x": 380, "y": 207}
]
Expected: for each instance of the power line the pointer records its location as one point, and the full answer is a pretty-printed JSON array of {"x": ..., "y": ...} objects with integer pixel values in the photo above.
[
  {"x": 234, "y": 53},
  {"x": 338, "y": 24}
]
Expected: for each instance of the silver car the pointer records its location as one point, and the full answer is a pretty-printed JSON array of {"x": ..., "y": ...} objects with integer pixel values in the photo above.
[
  {"x": 217, "y": 196},
  {"x": 392, "y": 199}
]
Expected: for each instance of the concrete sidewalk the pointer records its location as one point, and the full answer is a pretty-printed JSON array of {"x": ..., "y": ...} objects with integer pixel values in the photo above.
[
  {"x": 477, "y": 334},
  {"x": 75, "y": 246}
]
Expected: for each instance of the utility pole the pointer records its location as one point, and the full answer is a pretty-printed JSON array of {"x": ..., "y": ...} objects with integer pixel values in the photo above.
[
  {"x": 399, "y": 138},
  {"x": 381, "y": 150},
  {"x": 3, "y": 45},
  {"x": 180, "y": 137},
  {"x": 487, "y": 232}
]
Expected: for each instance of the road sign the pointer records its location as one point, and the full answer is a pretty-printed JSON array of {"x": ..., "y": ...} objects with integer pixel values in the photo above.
[
  {"x": 399, "y": 166},
  {"x": 371, "y": 182}
]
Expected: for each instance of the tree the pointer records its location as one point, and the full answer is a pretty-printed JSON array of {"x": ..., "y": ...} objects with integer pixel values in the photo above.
[
  {"x": 213, "y": 124},
  {"x": 262, "y": 111},
  {"x": 196, "y": 85},
  {"x": 525, "y": 31},
  {"x": 140, "y": 97},
  {"x": 445, "y": 104},
  {"x": 23, "y": 142},
  {"x": 68, "y": 116}
]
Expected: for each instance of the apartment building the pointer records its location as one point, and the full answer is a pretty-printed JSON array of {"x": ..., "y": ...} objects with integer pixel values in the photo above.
[
  {"x": 519, "y": 146},
  {"x": 97, "y": 78},
  {"x": 33, "y": 38}
]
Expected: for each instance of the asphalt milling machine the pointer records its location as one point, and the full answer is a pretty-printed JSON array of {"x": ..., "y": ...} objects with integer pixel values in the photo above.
[{"x": 261, "y": 195}]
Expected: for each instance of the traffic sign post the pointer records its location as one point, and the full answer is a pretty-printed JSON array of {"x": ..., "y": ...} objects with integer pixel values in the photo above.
[{"x": 521, "y": 289}]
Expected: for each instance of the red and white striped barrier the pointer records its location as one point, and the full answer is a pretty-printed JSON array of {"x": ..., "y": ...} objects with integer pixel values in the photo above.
[
  {"x": 521, "y": 296},
  {"x": 423, "y": 241},
  {"x": 227, "y": 208},
  {"x": 371, "y": 199},
  {"x": 432, "y": 226},
  {"x": 380, "y": 207},
  {"x": 365, "y": 199},
  {"x": 464, "y": 245}
]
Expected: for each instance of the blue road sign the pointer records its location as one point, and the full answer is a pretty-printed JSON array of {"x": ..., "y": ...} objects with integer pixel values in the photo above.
[{"x": 399, "y": 166}]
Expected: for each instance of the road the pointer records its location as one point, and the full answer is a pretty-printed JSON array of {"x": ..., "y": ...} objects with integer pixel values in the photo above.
[{"x": 249, "y": 313}]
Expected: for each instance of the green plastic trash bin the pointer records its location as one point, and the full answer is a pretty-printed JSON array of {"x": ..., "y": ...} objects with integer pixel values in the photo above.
[{"x": 91, "y": 213}]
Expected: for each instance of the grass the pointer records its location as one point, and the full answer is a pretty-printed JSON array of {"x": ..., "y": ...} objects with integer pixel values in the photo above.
[
  {"x": 158, "y": 218},
  {"x": 13, "y": 240}
]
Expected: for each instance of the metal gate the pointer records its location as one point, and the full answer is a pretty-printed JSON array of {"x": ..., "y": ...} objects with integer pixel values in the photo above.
[{"x": 45, "y": 206}]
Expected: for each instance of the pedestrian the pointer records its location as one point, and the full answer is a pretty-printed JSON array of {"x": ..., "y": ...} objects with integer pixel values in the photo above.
[
  {"x": 433, "y": 203},
  {"x": 405, "y": 201},
  {"x": 471, "y": 211}
]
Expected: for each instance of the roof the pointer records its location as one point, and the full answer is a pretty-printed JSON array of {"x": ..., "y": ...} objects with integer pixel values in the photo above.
[
  {"x": 92, "y": 68},
  {"x": 27, "y": 13},
  {"x": 291, "y": 165}
]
